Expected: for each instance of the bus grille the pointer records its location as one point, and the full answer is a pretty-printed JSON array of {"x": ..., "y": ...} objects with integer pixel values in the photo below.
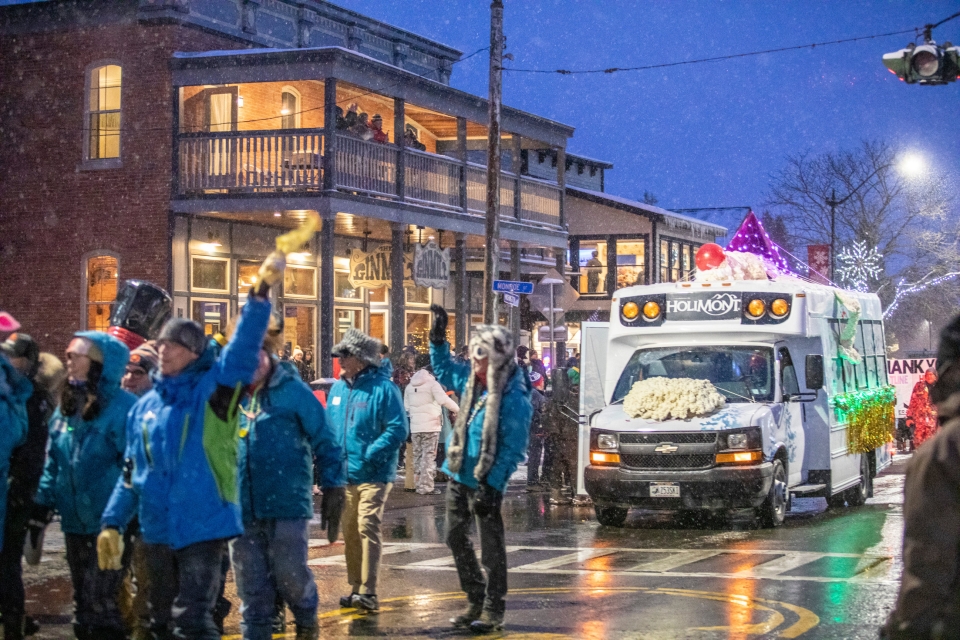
[
  {"x": 668, "y": 461},
  {"x": 695, "y": 437}
]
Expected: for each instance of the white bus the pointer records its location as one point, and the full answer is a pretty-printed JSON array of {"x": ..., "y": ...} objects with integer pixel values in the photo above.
[{"x": 771, "y": 348}]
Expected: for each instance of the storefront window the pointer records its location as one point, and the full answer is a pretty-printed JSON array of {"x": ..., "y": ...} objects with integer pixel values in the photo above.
[
  {"x": 298, "y": 324},
  {"x": 212, "y": 316},
  {"x": 347, "y": 319},
  {"x": 418, "y": 330},
  {"x": 418, "y": 295},
  {"x": 378, "y": 295},
  {"x": 210, "y": 274},
  {"x": 246, "y": 275},
  {"x": 102, "y": 272},
  {"x": 676, "y": 260},
  {"x": 300, "y": 282},
  {"x": 630, "y": 263},
  {"x": 593, "y": 266},
  {"x": 378, "y": 326},
  {"x": 343, "y": 289}
]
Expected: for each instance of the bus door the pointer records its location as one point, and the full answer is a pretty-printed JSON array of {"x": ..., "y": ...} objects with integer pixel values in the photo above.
[{"x": 791, "y": 426}]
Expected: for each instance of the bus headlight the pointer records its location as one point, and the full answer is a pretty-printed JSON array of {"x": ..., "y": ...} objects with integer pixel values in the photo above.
[
  {"x": 630, "y": 310},
  {"x": 607, "y": 441},
  {"x": 779, "y": 308},
  {"x": 737, "y": 441},
  {"x": 756, "y": 307},
  {"x": 651, "y": 310}
]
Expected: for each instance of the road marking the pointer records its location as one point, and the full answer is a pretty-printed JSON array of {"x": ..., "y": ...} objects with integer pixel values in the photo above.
[{"x": 870, "y": 568}]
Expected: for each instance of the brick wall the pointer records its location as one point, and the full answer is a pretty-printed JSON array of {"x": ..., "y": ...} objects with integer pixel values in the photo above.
[{"x": 52, "y": 210}]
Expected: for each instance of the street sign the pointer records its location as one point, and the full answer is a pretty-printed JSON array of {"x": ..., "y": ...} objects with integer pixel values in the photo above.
[
  {"x": 512, "y": 299},
  {"x": 512, "y": 286}
]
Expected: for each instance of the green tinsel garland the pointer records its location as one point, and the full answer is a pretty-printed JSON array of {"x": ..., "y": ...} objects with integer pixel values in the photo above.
[{"x": 870, "y": 416}]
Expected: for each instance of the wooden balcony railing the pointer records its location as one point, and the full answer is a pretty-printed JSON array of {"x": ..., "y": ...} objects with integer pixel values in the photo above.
[{"x": 235, "y": 162}]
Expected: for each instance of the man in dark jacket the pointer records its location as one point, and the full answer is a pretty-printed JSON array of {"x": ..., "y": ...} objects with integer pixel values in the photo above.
[
  {"x": 282, "y": 430},
  {"x": 47, "y": 374},
  {"x": 535, "y": 447},
  {"x": 366, "y": 410},
  {"x": 561, "y": 426},
  {"x": 928, "y": 606},
  {"x": 485, "y": 446},
  {"x": 180, "y": 474}
]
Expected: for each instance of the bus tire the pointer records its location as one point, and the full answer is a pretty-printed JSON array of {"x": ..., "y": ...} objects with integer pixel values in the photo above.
[
  {"x": 610, "y": 516},
  {"x": 773, "y": 511},
  {"x": 857, "y": 495}
]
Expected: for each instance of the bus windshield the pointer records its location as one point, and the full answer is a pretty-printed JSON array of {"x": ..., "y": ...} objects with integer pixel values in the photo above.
[{"x": 741, "y": 374}]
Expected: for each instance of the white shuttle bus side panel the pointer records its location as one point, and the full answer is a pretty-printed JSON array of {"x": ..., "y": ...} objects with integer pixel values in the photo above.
[{"x": 593, "y": 367}]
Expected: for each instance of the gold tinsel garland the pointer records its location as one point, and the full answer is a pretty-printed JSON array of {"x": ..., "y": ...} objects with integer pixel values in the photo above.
[{"x": 870, "y": 416}]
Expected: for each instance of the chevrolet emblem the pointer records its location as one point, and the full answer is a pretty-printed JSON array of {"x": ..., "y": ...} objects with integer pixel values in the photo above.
[{"x": 666, "y": 447}]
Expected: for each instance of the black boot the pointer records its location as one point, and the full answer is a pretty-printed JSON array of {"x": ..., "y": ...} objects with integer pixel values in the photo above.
[
  {"x": 107, "y": 633},
  {"x": 471, "y": 613},
  {"x": 488, "y": 621},
  {"x": 13, "y": 628},
  {"x": 30, "y": 626},
  {"x": 82, "y": 632},
  {"x": 308, "y": 633}
]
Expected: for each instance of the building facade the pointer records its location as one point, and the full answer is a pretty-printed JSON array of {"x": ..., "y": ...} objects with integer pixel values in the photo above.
[{"x": 173, "y": 140}]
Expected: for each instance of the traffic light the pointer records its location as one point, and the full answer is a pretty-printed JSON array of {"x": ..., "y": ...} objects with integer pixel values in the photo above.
[{"x": 927, "y": 63}]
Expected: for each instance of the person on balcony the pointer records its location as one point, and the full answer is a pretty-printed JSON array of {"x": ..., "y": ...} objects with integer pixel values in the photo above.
[
  {"x": 376, "y": 126},
  {"x": 410, "y": 139},
  {"x": 362, "y": 128}
]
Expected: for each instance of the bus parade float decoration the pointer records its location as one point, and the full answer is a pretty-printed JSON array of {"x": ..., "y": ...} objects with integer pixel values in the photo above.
[
  {"x": 672, "y": 398},
  {"x": 870, "y": 417}
]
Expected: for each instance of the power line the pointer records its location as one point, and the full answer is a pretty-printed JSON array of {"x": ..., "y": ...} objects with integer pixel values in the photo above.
[{"x": 812, "y": 45}]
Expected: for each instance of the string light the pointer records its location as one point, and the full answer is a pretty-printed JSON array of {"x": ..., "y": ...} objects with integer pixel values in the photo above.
[
  {"x": 751, "y": 237},
  {"x": 904, "y": 290},
  {"x": 870, "y": 417},
  {"x": 859, "y": 265}
]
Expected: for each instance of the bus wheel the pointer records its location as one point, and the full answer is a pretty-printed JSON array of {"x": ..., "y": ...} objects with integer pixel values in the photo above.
[
  {"x": 773, "y": 511},
  {"x": 610, "y": 516},
  {"x": 857, "y": 495}
]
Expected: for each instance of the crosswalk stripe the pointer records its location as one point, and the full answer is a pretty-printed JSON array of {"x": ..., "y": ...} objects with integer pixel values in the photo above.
[
  {"x": 781, "y": 565},
  {"x": 675, "y": 560},
  {"x": 581, "y": 555}
]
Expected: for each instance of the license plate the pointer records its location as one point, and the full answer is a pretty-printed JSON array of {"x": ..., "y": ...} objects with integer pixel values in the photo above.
[{"x": 664, "y": 490}]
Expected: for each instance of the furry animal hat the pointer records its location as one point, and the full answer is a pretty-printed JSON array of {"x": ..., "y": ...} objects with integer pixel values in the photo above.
[
  {"x": 360, "y": 345},
  {"x": 496, "y": 343}
]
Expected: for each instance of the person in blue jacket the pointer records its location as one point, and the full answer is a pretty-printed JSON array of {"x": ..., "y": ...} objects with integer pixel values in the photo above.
[
  {"x": 84, "y": 460},
  {"x": 180, "y": 472},
  {"x": 283, "y": 428},
  {"x": 487, "y": 442},
  {"x": 367, "y": 414},
  {"x": 15, "y": 390}
]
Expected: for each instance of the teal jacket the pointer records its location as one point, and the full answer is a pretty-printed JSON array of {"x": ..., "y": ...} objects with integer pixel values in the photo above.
[
  {"x": 15, "y": 390},
  {"x": 514, "y": 425},
  {"x": 85, "y": 457},
  {"x": 181, "y": 454},
  {"x": 283, "y": 428},
  {"x": 370, "y": 423}
]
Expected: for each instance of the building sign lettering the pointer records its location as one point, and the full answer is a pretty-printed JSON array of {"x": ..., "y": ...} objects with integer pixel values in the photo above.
[
  {"x": 431, "y": 266},
  {"x": 372, "y": 270}
]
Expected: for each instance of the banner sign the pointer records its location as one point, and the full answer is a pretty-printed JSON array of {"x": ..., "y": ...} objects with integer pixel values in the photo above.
[
  {"x": 703, "y": 306},
  {"x": 372, "y": 270},
  {"x": 818, "y": 259},
  {"x": 431, "y": 266},
  {"x": 904, "y": 375}
]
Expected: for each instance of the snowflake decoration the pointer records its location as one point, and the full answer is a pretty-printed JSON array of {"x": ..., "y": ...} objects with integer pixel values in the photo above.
[{"x": 859, "y": 265}]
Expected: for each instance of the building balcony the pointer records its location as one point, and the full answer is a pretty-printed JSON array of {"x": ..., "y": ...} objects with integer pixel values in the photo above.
[{"x": 266, "y": 163}]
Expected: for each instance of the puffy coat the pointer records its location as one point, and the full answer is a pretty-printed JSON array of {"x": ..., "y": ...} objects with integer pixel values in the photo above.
[
  {"x": 514, "y": 425},
  {"x": 423, "y": 399},
  {"x": 369, "y": 420},
  {"x": 282, "y": 427},
  {"x": 182, "y": 455},
  {"x": 85, "y": 457},
  {"x": 15, "y": 389}
]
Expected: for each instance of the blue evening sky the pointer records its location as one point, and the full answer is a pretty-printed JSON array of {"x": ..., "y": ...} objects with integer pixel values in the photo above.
[{"x": 707, "y": 134}]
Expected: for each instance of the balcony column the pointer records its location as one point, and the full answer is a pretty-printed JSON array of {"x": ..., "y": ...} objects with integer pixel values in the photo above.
[
  {"x": 654, "y": 254},
  {"x": 517, "y": 201},
  {"x": 462, "y": 157},
  {"x": 562, "y": 183},
  {"x": 326, "y": 298},
  {"x": 514, "y": 317},
  {"x": 329, "y": 134},
  {"x": 398, "y": 297},
  {"x": 611, "y": 265},
  {"x": 575, "y": 263},
  {"x": 460, "y": 288},
  {"x": 399, "y": 127}
]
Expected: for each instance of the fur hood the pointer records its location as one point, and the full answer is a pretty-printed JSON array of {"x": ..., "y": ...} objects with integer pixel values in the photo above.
[{"x": 358, "y": 344}]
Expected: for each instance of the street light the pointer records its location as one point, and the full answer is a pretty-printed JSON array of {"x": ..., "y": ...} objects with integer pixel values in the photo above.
[{"x": 913, "y": 165}]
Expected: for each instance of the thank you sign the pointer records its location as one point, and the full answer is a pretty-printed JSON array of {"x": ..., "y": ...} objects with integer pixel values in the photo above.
[
  {"x": 431, "y": 266},
  {"x": 703, "y": 305}
]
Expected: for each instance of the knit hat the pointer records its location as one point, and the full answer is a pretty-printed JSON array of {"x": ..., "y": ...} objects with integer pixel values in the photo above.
[
  {"x": 20, "y": 345},
  {"x": 8, "y": 324},
  {"x": 359, "y": 345},
  {"x": 522, "y": 352},
  {"x": 145, "y": 356},
  {"x": 186, "y": 333}
]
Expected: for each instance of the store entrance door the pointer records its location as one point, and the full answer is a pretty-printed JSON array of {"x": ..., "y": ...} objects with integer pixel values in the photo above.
[{"x": 299, "y": 331}]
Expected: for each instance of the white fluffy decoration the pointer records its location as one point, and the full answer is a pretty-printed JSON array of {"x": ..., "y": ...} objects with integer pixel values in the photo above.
[
  {"x": 672, "y": 398},
  {"x": 738, "y": 265}
]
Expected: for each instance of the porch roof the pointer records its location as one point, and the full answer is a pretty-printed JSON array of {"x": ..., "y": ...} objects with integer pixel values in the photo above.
[
  {"x": 672, "y": 220},
  {"x": 317, "y": 63}
]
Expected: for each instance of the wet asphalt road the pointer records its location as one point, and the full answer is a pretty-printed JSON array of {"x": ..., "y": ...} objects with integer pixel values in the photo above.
[{"x": 824, "y": 574}]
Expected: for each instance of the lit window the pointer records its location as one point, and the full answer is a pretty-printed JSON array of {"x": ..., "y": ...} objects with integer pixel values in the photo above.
[
  {"x": 103, "y": 112},
  {"x": 289, "y": 108},
  {"x": 210, "y": 274},
  {"x": 101, "y": 291}
]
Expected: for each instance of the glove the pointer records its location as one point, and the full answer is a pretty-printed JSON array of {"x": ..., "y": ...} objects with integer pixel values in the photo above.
[
  {"x": 438, "y": 333},
  {"x": 331, "y": 508},
  {"x": 270, "y": 272},
  {"x": 109, "y": 550}
]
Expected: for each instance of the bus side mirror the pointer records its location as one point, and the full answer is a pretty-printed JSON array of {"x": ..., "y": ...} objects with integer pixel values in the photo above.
[{"x": 813, "y": 371}]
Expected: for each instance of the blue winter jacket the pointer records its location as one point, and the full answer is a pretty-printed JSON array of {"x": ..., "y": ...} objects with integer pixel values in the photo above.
[
  {"x": 85, "y": 457},
  {"x": 514, "y": 426},
  {"x": 15, "y": 390},
  {"x": 370, "y": 422},
  {"x": 182, "y": 457},
  {"x": 282, "y": 428}
]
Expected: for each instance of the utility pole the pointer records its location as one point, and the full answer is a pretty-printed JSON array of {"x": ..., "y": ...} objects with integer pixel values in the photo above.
[
  {"x": 492, "y": 254},
  {"x": 833, "y": 202}
]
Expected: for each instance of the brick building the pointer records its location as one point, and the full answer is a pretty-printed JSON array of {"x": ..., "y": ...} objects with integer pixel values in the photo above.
[{"x": 172, "y": 140}]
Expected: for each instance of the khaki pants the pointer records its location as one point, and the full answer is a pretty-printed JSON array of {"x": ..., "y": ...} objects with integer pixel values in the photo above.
[{"x": 361, "y": 534}]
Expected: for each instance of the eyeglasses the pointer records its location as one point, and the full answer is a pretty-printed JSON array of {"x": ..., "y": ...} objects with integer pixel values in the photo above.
[{"x": 135, "y": 372}]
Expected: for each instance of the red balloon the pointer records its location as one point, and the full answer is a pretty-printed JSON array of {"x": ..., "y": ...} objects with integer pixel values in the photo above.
[{"x": 710, "y": 256}]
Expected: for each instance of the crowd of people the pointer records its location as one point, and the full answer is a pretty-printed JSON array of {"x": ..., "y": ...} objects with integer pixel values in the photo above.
[{"x": 359, "y": 124}]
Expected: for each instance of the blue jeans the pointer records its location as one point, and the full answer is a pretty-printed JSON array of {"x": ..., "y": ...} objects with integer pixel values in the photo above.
[
  {"x": 271, "y": 556},
  {"x": 184, "y": 585}
]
